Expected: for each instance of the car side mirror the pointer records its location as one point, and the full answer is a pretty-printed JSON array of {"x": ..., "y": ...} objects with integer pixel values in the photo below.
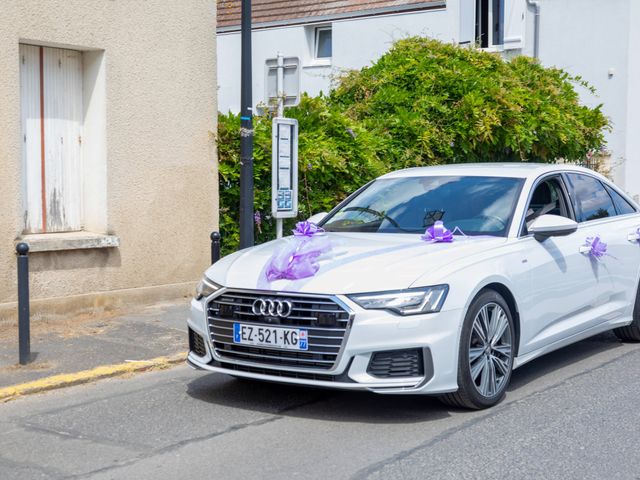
[
  {"x": 552, "y": 226},
  {"x": 317, "y": 218}
]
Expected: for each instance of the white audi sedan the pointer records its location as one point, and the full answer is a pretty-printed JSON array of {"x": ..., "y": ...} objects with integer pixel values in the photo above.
[{"x": 436, "y": 280}]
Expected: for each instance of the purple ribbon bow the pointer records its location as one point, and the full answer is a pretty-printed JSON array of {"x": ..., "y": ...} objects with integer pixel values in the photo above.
[
  {"x": 597, "y": 248},
  {"x": 307, "y": 229},
  {"x": 297, "y": 259},
  {"x": 437, "y": 233}
]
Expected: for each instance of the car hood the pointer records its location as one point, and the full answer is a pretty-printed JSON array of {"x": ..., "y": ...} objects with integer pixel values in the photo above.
[{"x": 356, "y": 262}]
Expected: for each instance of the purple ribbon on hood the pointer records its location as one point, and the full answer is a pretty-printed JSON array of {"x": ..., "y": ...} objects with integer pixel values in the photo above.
[
  {"x": 597, "y": 248},
  {"x": 307, "y": 229},
  {"x": 438, "y": 233},
  {"x": 298, "y": 258}
]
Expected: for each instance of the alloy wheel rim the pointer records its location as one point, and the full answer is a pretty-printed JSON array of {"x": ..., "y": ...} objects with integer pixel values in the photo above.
[{"x": 490, "y": 350}]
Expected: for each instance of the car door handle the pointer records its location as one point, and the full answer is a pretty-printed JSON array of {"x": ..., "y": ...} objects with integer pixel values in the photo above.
[
  {"x": 633, "y": 237},
  {"x": 584, "y": 249}
]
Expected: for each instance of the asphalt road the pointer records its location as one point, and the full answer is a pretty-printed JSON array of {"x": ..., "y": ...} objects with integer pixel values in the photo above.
[{"x": 572, "y": 414}]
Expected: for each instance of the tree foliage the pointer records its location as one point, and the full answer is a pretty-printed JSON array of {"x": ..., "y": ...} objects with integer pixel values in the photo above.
[{"x": 422, "y": 103}]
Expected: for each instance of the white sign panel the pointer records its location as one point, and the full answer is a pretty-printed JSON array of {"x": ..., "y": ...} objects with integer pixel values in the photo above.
[{"x": 284, "y": 178}]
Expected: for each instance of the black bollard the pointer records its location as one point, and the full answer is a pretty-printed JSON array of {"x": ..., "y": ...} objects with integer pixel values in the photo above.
[
  {"x": 215, "y": 247},
  {"x": 24, "y": 335}
]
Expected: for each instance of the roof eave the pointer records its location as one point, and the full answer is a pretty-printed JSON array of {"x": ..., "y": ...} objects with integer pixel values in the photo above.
[{"x": 433, "y": 5}]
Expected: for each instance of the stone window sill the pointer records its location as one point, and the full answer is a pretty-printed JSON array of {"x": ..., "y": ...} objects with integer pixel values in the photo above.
[
  {"x": 318, "y": 63},
  {"x": 51, "y": 242}
]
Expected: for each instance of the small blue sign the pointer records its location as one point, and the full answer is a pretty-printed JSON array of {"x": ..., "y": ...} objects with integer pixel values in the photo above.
[
  {"x": 302, "y": 343},
  {"x": 236, "y": 332},
  {"x": 285, "y": 199}
]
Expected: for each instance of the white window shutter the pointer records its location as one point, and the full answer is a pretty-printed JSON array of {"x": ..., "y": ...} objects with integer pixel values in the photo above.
[
  {"x": 514, "y": 19},
  {"x": 63, "y": 129},
  {"x": 31, "y": 138},
  {"x": 467, "y": 22},
  {"x": 51, "y": 104}
]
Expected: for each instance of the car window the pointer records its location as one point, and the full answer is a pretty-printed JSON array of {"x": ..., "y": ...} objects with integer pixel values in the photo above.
[
  {"x": 590, "y": 199},
  {"x": 547, "y": 199},
  {"x": 476, "y": 205},
  {"x": 622, "y": 206}
]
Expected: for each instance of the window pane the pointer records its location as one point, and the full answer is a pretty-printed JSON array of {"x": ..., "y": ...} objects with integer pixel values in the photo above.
[
  {"x": 622, "y": 206},
  {"x": 476, "y": 205},
  {"x": 590, "y": 198},
  {"x": 323, "y": 43},
  {"x": 496, "y": 19}
]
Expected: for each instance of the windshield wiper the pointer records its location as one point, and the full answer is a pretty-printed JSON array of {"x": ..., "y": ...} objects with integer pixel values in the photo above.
[{"x": 379, "y": 215}]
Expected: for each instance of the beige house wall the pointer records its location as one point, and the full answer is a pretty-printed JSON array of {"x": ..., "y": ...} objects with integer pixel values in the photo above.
[{"x": 159, "y": 77}]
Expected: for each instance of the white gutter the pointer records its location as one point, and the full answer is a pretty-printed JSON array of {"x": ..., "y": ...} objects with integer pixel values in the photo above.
[{"x": 536, "y": 34}]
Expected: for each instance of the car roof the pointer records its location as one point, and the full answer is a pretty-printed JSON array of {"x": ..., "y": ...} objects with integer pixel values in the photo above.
[{"x": 513, "y": 169}]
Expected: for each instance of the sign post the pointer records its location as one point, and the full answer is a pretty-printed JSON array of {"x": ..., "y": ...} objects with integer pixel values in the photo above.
[{"x": 284, "y": 173}]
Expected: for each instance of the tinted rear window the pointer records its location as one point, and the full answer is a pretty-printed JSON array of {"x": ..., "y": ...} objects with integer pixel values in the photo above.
[
  {"x": 622, "y": 206},
  {"x": 590, "y": 199}
]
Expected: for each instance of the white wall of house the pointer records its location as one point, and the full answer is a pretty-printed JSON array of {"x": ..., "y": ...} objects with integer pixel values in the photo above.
[
  {"x": 590, "y": 38},
  {"x": 356, "y": 43},
  {"x": 632, "y": 150}
]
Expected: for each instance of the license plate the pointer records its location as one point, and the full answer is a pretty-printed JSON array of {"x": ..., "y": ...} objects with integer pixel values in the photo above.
[{"x": 278, "y": 337}]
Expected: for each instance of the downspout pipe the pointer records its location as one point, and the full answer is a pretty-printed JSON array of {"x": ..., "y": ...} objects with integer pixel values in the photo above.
[{"x": 536, "y": 26}]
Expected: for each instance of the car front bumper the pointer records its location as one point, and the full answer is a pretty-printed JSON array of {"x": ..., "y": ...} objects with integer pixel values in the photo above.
[{"x": 435, "y": 335}]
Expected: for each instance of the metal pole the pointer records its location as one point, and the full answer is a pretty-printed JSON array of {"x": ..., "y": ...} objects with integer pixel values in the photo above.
[
  {"x": 24, "y": 342},
  {"x": 246, "y": 132},
  {"x": 215, "y": 247},
  {"x": 280, "y": 86},
  {"x": 280, "y": 92}
]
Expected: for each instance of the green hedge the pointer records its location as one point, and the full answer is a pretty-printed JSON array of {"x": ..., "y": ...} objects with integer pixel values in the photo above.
[{"x": 422, "y": 103}]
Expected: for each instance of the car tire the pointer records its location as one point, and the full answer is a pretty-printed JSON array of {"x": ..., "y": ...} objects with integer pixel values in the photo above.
[
  {"x": 484, "y": 364},
  {"x": 631, "y": 333}
]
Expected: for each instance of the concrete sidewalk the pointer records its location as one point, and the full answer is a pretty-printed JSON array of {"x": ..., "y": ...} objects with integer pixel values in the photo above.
[{"x": 65, "y": 346}]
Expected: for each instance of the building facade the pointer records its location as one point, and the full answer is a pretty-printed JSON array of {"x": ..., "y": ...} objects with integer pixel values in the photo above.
[
  {"x": 107, "y": 157},
  {"x": 590, "y": 38}
]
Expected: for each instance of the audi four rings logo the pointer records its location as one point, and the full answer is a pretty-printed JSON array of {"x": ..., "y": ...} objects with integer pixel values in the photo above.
[{"x": 271, "y": 307}]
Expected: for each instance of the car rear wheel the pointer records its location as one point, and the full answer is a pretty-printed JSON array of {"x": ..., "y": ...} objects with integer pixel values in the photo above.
[
  {"x": 485, "y": 356},
  {"x": 631, "y": 333}
]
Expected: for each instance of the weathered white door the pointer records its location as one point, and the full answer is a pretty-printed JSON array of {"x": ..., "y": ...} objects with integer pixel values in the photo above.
[{"x": 51, "y": 96}]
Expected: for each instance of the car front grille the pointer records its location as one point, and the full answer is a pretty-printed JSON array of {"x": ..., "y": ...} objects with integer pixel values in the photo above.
[{"x": 326, "y": 321}]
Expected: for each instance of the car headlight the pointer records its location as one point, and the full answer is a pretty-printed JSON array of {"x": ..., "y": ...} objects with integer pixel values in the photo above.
[
  {"x": 205, "y": 288},
  {"x": 404, "y": 302}
]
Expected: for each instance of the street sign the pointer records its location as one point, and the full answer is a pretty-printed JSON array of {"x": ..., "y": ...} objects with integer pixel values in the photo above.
[
  {"x": 282, "y": 81},
  {"x": 284, "y": 177}
]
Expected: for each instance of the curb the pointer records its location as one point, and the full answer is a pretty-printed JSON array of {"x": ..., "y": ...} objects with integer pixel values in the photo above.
[{"x": 106, "y": 371}]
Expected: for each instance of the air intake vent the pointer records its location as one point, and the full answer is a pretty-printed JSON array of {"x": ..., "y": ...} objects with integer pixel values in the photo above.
[
  {"x": 396, "y": 363},
  {"x": 196, "y": 344}
]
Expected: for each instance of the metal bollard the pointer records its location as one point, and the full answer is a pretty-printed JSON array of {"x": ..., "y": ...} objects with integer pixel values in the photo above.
[
  {"x": 24, "y": 335},
  {"x": 215, "y": 247}
]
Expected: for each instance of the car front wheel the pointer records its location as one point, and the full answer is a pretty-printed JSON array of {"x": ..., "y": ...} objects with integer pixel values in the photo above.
[{"x": 485, "y": 356}]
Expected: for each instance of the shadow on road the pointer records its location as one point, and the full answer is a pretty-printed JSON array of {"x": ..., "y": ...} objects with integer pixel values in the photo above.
[
  {"x": 553, "y": 361},
  {"x": 366, "y": 407},
  {"x": 294, "y": 401}
]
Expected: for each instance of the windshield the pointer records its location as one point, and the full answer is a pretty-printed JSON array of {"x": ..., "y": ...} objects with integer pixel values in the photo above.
[{"x": 476, "y": 205}]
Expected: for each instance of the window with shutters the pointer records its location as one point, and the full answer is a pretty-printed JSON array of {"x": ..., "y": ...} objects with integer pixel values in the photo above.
[{"x": 51, "y": 94}]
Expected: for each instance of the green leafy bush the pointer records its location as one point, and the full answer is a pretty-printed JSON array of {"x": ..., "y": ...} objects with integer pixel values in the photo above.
[{"x": 422, "y": 103}]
